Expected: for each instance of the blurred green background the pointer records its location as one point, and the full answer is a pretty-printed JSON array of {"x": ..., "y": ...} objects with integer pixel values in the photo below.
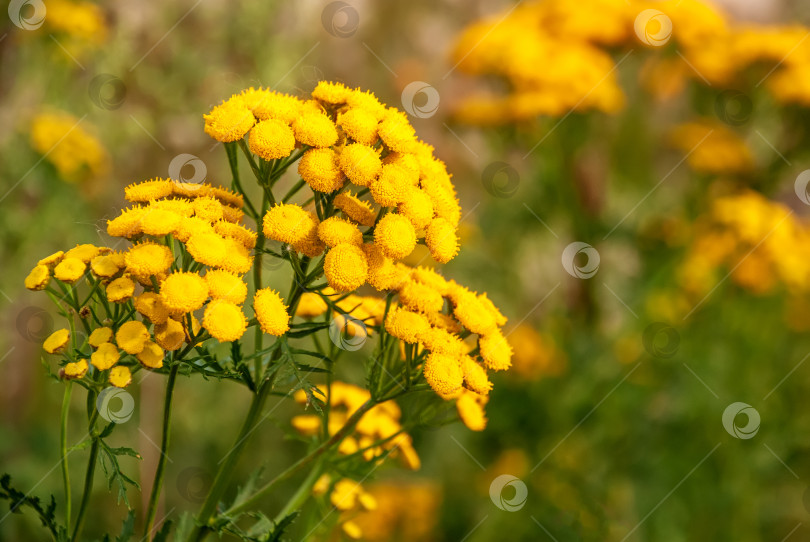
[{"x": 613, "y": 414}]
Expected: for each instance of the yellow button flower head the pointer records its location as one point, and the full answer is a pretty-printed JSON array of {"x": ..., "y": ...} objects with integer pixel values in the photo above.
[
  {"x": 443, "y": 374},
  {"x": 190, "y": 190},
  {"x": 170, "y": 335},
  {"x": 396, "y": 132},
  {"x": 495, "y": 351},
  {"x": 383, "y": 273},
  {"x": 352, "y": 530},
  {"x": 38, "y": 278},
  {"x": 475, "y": 376},
  {"x": 420, "y": 298},
  {"x": 151, "y": 305},
  {"x": 407, "y": 162},
  {"x": 271, "y": 312},
  {"x": 445, "y": 203},
  {"x": 159, "y": 222},
  {"x": 271, "y": 139},
  {"x": 190, "y": 226},
  {"x": 269, "y": 104},
  {"x": 441, "y": 240},
  {"x": 105, "y": 266},
  {"x": 207, "y": 248},
  {"x": 120, "y": 376},
  {"x": 319, "y": 168},
  {"x": 105, "y": 357},
  {"x": 500, "y": 319},
  {"x": 311, "y": 305},
  {"x": 441, "y": 341},
  {"x": 127, "y": 224},
  {"x": 179, "y": 206},
  {"x": 99, "y": 336},
  {"x": 132, "y": 336},
  {"x": 391, "y": 187},
  {"x": 146, "y": 259},
  {"x": 226, "y": 286},
  {"x": 148, "y": 190},
  {"x": 76, "y": 369},
  {"x": 366, "y": 101},
  {"x": 85, "y": 253},
  {"x": 151, "y": 356},
  {"x": 57, "y": 341},
  {"x": 417, "y": 207},
  {"x": 183, "y": 291},
  {"x": 208, "y": 208},
  {"x": 473, "y": 314},
  {"x": 121, "y": 289},
  {"x": 54, "y": 258},
  {"x": 360, "y": 163},
  {"x": 395, "y": 235},
  {"x": 430, "y": 277},
  {"x": 353, "y": 207},
  {"x": 471, "y": 411},
  {"x": 224, "y": 321},
  {"x": 315, "y": 129},
  {"x": 345, "y": 267},
  {"x": 359, "y": 125},
  {"x": 335, "y": 230},
  {"x": 288, "y": 223},
  {"x": 235, "y": 231},
  {"x": 237, "y": 258},
  {"x": 229, "y": 121},
  {"x": 406, "y": 325},
  {"x": 333, "y": 93},
  {"x": 227, "y": 196},
  {"x": 69, "y": 270}
]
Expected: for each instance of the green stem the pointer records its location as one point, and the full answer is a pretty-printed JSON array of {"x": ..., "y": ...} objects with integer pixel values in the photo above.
[
  {"x": 88, "y": 487},
  {"x": 157, "y": 483},
  {"x": 223, "y": 476},
  {"x": 301, "y": 495},
  {"x": 304, "y": 461},
  {"x": 63, "y": 451}
]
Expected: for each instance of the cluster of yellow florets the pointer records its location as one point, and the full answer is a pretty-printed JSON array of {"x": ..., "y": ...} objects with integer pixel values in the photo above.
[
  {"x": 380, "y": 423},
  {"x": 575, "y": 43},
  {"x": 348, "y": 137},
  {"x": 75, "y": 153},
  {"x": 348, "y": 497}
]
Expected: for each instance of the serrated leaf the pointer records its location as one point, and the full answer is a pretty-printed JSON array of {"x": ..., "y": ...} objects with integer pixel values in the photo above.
[{"x": 128, "y": 528}]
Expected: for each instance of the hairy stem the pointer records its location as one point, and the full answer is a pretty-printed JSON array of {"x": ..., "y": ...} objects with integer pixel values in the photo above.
[{"x": 63, "y": 452}]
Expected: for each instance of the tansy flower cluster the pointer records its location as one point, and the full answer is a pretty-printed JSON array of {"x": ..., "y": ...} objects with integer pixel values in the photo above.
[
  {"x": 761, "y": 242},
  {"x": 64, "y": 142},
  {"x": 402, "y": 192},
  {"x": 405, "y": 511},
  {"x": 349, "y": 498},
  {"x": 377, "y": 432},
  {"x": 83, "y": 22},
  {"x": 576, "y": 44},
  {"x": 712, "y": 148}
]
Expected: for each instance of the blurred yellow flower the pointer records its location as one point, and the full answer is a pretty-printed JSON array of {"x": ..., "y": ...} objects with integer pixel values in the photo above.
[{"x": 62, "y": 140}]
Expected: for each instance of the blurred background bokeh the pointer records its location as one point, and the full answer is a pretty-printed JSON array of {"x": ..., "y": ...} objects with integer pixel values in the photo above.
[{"x": 672, "y": 149}]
